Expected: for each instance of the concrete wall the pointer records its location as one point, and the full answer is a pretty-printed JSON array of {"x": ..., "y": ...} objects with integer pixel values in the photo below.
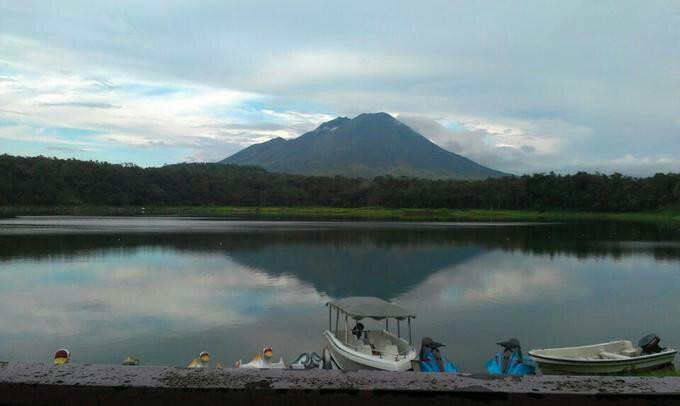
[{"x": 22, "y": 383}]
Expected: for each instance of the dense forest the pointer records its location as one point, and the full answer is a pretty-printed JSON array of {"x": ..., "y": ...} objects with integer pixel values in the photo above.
[{"x": 41, "y": 181}]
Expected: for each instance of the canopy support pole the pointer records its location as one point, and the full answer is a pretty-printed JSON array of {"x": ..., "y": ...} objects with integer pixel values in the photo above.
[
  {"x": 398, "y": 329},
  {"x": 346, "y": 329},
  {"x": 387, "y": 324},
  {"x": 409, "y": 331},
  {"x": 337, "y": 321},
  {"x": 330, "y": 319}
]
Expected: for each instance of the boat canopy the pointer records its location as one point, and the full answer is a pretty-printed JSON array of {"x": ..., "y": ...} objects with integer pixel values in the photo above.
[{"x": 360, "y": 307}]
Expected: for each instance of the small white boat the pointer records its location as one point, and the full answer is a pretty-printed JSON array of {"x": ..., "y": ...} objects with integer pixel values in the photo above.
[
  {"x": 607, "y": 358},
  {"x": 358, "y": 349}
]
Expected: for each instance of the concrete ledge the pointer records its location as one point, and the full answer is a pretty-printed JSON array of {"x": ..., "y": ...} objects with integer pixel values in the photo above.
[{"x": 22, "y": 383}]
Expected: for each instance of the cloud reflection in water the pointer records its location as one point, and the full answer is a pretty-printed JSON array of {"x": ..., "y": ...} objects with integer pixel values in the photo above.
[{"x": 164, "y": 297}]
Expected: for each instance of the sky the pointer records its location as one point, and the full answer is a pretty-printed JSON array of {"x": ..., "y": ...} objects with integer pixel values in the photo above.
[{"x": 519, "y": 86}]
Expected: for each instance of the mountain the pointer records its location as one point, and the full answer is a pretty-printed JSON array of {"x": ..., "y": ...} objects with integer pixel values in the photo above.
[{"x": 368, "y": 145}]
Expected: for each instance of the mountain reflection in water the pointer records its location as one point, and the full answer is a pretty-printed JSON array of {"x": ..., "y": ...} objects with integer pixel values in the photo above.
[{"x": 165, "y": 289}]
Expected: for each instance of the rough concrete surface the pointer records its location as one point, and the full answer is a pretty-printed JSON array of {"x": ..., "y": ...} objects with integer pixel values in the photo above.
[{"x": 23, "y": 383}]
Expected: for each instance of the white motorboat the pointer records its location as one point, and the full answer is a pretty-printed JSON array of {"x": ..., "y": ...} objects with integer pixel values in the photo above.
[
  {"x": 607, "y": 358},
  {"x": 357, "y": 348}
]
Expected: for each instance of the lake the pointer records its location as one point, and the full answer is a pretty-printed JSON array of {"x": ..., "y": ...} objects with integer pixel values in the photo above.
[{"x": 164, "y": 289}]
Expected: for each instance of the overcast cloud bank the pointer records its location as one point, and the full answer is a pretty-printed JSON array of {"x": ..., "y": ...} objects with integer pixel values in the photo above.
[{"x": 520, "y": 88}]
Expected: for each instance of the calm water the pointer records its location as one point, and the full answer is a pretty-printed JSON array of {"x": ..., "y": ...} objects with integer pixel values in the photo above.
[{"x": 165, "y": 289}]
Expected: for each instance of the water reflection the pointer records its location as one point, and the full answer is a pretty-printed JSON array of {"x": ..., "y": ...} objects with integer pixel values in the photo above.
[{"x": 166, "y": 289}]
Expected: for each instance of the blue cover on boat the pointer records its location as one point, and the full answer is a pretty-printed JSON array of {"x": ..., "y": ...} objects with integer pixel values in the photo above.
[
  {"x": 516, "y": 366},
  {"x": 428, "y": 362}
]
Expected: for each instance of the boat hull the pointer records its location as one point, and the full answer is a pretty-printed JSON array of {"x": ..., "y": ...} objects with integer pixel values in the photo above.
[
  {"x": 350, "y": 360},
  {"x": 551, "y": 365}
]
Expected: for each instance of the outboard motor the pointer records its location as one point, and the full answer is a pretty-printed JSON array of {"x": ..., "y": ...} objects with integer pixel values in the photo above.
[
  {"x": 432, "y": 360},
  {"x": 649, "y": 344},
  {"x": 510, "y": 361}
]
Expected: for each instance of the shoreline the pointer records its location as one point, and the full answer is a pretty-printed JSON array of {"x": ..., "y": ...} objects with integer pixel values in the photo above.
[
  {"x": 26, "y": 383},
  {"x": 350, "y": 214}
]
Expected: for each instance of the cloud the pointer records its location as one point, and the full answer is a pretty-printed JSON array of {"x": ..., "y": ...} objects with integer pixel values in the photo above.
[
  {"x": 522, "y": 281},
  {"x": 514, "y": 146},
  {"x": 318, "y": 67},
  {"x": 206, "y": 122},
  {"x": 196, "y": 300},
  {"x": 67, "y": 149},
  {"x": 540, "y": 145},
  {"x": 29, "y": 133},
  {"x": 93, "y": 105},
  {"x": 551, "y": 86}
]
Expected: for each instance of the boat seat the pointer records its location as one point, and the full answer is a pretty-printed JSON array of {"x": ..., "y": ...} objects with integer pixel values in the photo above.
[
  {"x": 366, "y": 349},
  {"x": 633, "y": 352},
  {"x": 379, "y": 342},
  {"x": 390, "y": 350},
  {"x": 352, "y": 340},
  {"x": 383, "y": 342},
  {"x": 611, "y": 355}
]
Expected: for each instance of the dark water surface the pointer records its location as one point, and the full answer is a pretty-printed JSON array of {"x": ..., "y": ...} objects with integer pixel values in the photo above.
[{"x": 164, "y": 289}]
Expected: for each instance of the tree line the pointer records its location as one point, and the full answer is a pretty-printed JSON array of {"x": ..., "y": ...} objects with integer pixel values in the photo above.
[{"x": 41, "y": 181}]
